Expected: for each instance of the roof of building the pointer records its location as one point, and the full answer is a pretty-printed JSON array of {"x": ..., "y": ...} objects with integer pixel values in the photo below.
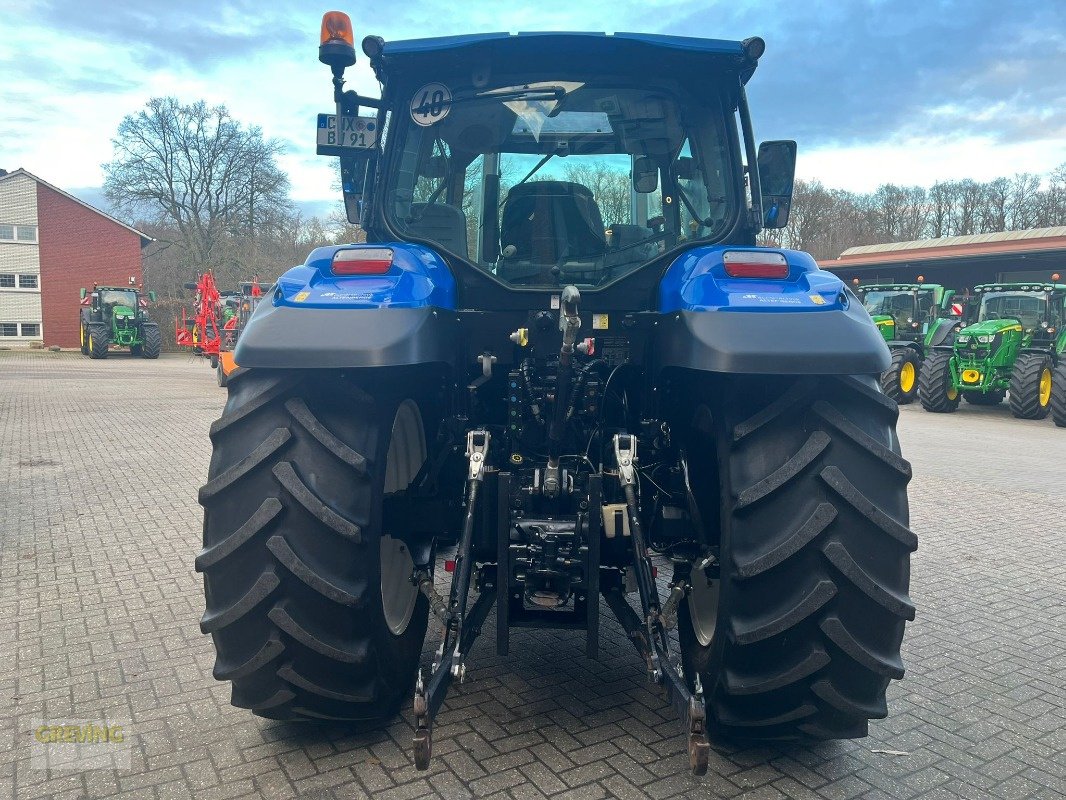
[
  {"x": 947, "y": 247},
  {"x": 145, "y": 238}
]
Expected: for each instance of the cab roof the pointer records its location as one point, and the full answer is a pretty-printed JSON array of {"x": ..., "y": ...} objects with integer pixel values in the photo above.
[
  {"x": 1021, "y": 286},
  {"x": 547, "y": 46},
  {"x": 902, "y": 287}
]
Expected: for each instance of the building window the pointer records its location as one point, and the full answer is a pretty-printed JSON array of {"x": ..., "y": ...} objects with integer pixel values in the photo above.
[
  {"x": 7, "y": 280},
  {"x": 29, "y": 329},
  {"x": 27, "y": 281},
  {"x": 18, "y": 233}
]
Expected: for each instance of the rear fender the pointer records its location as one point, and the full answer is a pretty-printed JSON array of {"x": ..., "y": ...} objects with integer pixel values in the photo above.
[
  {"x": 899, "y": 344},
  {"x": 313, "y": 318},
  {"x": 808, "y": 322},
  {"x": 943, "y": 331}
]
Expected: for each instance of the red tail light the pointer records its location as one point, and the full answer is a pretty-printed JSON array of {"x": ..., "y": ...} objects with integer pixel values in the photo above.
[
  {"x": 754, "y": 264},
  {"x": 365, "y": 261}
]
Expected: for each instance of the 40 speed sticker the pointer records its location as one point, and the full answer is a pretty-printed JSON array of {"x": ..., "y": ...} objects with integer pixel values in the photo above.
[{"x": 431, "y": 104}]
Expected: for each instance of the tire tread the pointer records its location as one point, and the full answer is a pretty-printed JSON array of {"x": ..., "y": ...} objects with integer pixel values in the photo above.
[{"x": 814, "y": 559}]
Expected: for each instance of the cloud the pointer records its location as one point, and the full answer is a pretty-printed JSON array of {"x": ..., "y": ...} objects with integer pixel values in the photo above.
[
  {"x": 869, "y": 87},
  {"x": 192, "y": 33},
  {"x": 858, "y": 72}
]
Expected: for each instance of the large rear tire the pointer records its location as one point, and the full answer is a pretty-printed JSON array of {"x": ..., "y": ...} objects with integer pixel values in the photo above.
[
  {"x": 309, "y": 603},
  {"x": 1030, "y": 386},
  {"x": 802, "y": 633},
  {"x": 935, "y": 387},
  {"x": 900, "y": 380},
  {"x": 98, "y": 341},
  {"x": 152, "y": 342},
  {"x": 1058, "y": 394}
]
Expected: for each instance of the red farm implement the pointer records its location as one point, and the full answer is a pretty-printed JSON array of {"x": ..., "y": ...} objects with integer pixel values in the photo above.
[{"x": 202, "y": 331}]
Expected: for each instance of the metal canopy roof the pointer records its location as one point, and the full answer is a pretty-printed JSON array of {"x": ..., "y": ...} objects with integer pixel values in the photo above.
[
  {"x": 552, "y": 43},
  {"x": 1034, "y": 245},
  {"x": 1022, "y": 236}
]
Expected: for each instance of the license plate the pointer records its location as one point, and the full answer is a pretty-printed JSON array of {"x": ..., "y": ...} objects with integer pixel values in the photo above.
[{"x": 339, "y": 136}]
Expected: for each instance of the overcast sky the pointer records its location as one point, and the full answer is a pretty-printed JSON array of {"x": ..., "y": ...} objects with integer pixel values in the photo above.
[{"x": 904, "y": 91}]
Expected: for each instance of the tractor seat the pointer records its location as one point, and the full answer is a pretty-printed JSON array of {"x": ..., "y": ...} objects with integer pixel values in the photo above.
[
  {"x": 554, "y": 223},
  {"x": 439, "y": 222}
]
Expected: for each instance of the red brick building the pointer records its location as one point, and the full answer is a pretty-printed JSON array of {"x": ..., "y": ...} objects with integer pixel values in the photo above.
[{"x": 51, "y": 245}]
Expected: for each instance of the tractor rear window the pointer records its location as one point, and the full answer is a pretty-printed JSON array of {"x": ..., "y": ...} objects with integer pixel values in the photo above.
[
  {"x": 115, "y": 297},
  {"x": 562, "y": 182}
]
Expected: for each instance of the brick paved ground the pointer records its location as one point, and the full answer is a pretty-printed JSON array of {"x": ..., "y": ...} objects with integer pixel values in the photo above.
[{"x": 99, "y": 610}]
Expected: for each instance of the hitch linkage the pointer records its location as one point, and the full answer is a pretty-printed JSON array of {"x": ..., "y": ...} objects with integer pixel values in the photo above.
[
  {"x": 650, "y": 636},
  {"x": 648, "y": 633},
  {"x": 460, "y": 627}
]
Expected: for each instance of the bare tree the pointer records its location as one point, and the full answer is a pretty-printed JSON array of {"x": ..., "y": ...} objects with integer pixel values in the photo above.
[
  {"x": 899, "y": 212},
  {"x": 197, "y": 172},
  {"x": 610, "y": 187},
  {"x": 1024, "y": 204}
]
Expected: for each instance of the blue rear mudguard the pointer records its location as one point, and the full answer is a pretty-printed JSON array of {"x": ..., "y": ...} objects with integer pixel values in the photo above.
[
  {"x": 317, "y": 319},
  {"x": 808, "y": 323},
  {"x": 805, "y": 323}
]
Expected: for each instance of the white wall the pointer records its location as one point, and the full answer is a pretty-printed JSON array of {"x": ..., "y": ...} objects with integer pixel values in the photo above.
[{"x": 18, "y": 206}]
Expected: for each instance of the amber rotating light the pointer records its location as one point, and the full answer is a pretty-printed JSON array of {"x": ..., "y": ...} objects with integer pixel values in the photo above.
[{"x": 337, "y": 44}]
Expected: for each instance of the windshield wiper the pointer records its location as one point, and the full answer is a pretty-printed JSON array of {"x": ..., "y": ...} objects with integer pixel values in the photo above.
[{"x": 518, "y": 94}]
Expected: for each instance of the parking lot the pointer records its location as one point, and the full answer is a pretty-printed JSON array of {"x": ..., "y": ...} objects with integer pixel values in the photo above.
[{"x": 100, "y": 462}]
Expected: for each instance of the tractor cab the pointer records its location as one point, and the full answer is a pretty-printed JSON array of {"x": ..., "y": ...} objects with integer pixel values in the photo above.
[
  {"x": 525, "y": 176},
  {"x": 1033, "y": 310},
  {"x": 904, "y": 311},
  {"x": 121, "y": 305}
]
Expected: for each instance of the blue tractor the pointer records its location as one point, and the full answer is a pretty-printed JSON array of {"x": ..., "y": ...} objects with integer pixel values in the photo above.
[{"x": 561, "y": 352}]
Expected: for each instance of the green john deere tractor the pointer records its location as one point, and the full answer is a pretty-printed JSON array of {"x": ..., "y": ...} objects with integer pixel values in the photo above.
[
  {"x": 113, "y": 316},
  {"x": 1012, "y": 342},
  {"x": 913, "y": 318}
]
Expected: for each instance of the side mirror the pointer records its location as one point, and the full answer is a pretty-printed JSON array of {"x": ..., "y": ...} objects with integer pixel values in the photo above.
[
  {"x": 82, "y": 297},
  {"x": 356, "y": 173},
  {"x": 645, "y": 175},
  {"x": 777, "y": 174},
  {"x": 152, "y": 296}
]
